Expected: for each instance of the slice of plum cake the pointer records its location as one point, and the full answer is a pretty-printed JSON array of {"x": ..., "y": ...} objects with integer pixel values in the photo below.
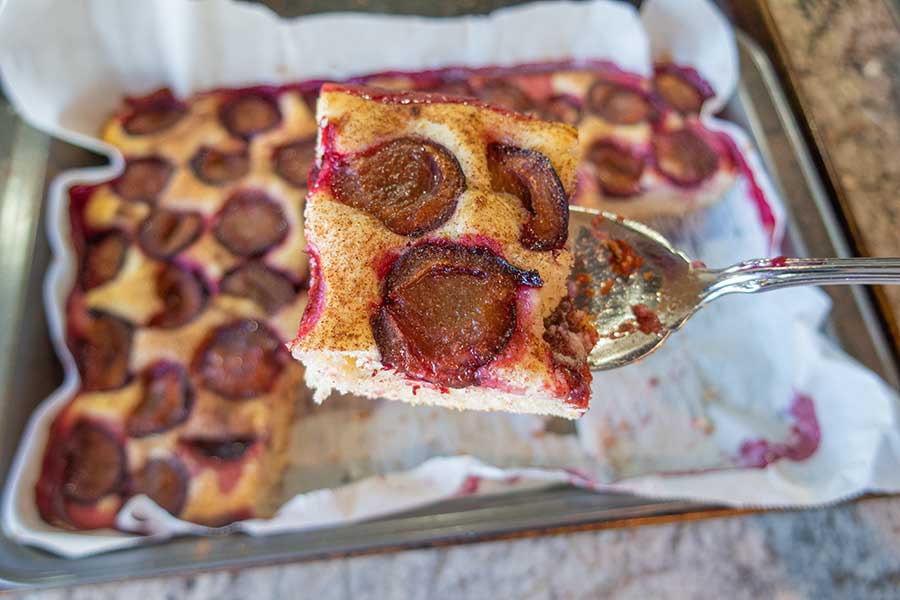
[{"x": 436, "y": 229}]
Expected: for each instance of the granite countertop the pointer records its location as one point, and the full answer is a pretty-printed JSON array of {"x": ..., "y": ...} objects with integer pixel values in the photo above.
[{"x": 847, "y": 58}]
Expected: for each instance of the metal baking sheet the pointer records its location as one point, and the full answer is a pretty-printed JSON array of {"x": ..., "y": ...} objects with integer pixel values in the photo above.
[{"x": 30, "y": 371}]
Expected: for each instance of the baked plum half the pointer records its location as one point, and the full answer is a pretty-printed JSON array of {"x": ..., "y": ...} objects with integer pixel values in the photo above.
[
  {"x": 293, "y": 160},
  {"x": 410, "y": 185},
  {"x": 143, "y": 179},
  {"x": 184, "y": 295},
  {"x": 165, "y": 232},
  {"x": 241, "y": 359},
  {"x": 220, "y": 167},
  {"x": 102, "y": 347},
  {"x": 94, "y": 463},
  {"x": 153, "y": 113},
  {"x": 250, "y": 223},
  {"x": 562, "y": 108},
  {"x": 685, "y": 157},
  {"x": 165, "y": 481},
  {"x": 529, "y": 175},
  {"x": 166, "y": 400},
  {"x": 505, "y": 95},
  {"x": 681, "y": 88},
  {"x": 250, "y": 113},
  {"x": 618, "y": 170},
  {"x": 618, "y": 104},
  {"x": 446, "y": 311},
  {"x": 265, "y": 286},
  {"x": 458, "y": 87},
  {"x": 103, "y": 258}
]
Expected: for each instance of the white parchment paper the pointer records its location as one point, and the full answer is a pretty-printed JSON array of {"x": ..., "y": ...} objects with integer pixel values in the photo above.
[{"x": 695, "y": 420}]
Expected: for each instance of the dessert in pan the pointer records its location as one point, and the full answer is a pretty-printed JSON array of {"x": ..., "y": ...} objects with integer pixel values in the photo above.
[
  {"x": 686, "y": 166},
  {"x": 192, "y": 278},
  {"x": 437, "y": 231},
  {"x": 193, "y": 273},
  {"x": 645, "y": 153}
]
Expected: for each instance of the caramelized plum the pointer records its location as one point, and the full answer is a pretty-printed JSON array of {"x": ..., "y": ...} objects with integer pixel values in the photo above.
[
  {"x": 218, "y": 167},
  {"x": 104, "y": 256},
  {"x": 618, "y": 104},
  {"x": 505, "y": 95},
  {"x": 410, "y": 185},
  {"x": 166, "y": 232},
  {"x": 165, "y": 481},
  {"x": 183, "y": 294},
  {"x": 153, "y": 113},
  {"x": 250, "y": 223},
  {"x": 249, "y": 114},
  {"x": 232, "y": 449},
  {"x": 529, "y": 175},
  {"x": 623, "y": 260},
  {"x": 685, "y": 157},
  {"x": 144, "y": 179},
  {"x": 571, "y": 336},
  {"x": 564, "y": 109},
  {"x": 647, "y": 320},
  {"x": 102, "y": 352},
  {"x": 292, "y": 161},
  {"x": 447, "y": 311},
  {"x": 95, "y": 463},
  {"x": 678, "y": 91},
  {"x": 618, "y": 170},
  {"x": 166, "y": 401},
  {"x": 241, "y": 359},
  {"x": 266, "y": 287}
]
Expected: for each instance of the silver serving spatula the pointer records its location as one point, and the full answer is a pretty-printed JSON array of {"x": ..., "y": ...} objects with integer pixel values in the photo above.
[{"x": 639, "y": 289}]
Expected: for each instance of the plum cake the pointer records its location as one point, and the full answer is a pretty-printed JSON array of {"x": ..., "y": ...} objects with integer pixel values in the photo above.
[
  {"x": 192, "y": 278},
  {"x": 436, "y": 229}
]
